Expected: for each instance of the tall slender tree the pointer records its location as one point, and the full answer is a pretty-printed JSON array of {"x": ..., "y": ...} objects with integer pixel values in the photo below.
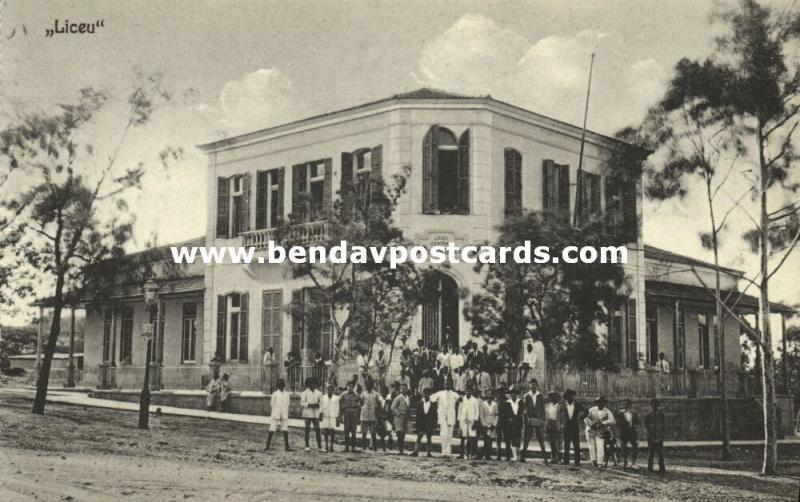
[{"x": 63, "y": 202}]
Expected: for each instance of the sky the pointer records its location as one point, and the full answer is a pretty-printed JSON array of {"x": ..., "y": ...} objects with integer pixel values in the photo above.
[{"x": 237, "y": 66}]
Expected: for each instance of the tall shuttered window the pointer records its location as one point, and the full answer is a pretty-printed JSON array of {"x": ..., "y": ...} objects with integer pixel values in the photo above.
[
  {"x": 445, "y": 172},
  {"x": 232, "y": 327},
  {"x": 271, "y": 321},
  {"x": 311, "y": 324},
  {"x": 361, "y": 173},
  {"x": 590, "y": 197},
  {"x": 269, "y": 198},
  {"x": 189, "y": 333},
  {"x": 311, "y": 190},
  {"x": 108, "y": 326},
  {"x": 233, "y": 202},
  {"x": 126, "y": 335},
  {"x": 513, "y": 182},
  {"x": 556, "y": 191}
]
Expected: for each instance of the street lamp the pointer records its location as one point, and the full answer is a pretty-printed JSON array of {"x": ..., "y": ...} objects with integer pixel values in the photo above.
[{"x": 150, "y": 289}]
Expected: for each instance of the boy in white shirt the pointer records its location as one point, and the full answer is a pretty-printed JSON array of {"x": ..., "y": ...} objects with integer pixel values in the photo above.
[
  {"x": 309, "y": 402},
  {"x": 329, "y": 414},
  {"x": 279, "y": 413}
]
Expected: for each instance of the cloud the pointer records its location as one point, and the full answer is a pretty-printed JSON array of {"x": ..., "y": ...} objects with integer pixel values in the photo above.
[
  {"x": 260, "y": 99},
  {"x": 471, "y": 55},
  {"x": 477, "y": 56}
]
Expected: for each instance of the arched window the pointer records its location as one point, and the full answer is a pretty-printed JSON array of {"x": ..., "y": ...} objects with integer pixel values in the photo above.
[
  {"x": 513, "y": 183},
  {"x": 445, "y": 168}
]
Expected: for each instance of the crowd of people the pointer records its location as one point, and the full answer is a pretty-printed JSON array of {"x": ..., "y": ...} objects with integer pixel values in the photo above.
[{"x": 480, "y": 418}]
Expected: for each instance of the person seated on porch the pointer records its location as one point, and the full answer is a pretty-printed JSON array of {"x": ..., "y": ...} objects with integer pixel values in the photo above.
[
  {"x": 213, "y": 392},
  {"x": 456, "y": 359},
  {"x": 426, "y": 382},
  {"x": 383, "y": 366},
  {"x": 225, "y": 394},
  {"x": 662, "y": 364},
  {"x": 528, "y": 362},
  {"x": 361, "y": 362}
]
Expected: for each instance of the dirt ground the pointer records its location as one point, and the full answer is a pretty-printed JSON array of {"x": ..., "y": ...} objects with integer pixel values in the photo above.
[{"x": 80, "y": 453}]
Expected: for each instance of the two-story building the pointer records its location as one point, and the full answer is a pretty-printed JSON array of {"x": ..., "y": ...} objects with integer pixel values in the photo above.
[{"x": 471, "y": 162}]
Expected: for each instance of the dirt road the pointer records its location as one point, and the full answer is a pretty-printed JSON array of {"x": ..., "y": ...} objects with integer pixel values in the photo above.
[{"x": 80, "y": 453}]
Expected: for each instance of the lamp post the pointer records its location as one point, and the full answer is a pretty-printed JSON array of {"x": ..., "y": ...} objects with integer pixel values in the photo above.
[{"x": 151, "y": 301}]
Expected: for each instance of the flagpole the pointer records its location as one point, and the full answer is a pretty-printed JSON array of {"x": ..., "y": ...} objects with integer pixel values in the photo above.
[{"x": 578, "y": 188}]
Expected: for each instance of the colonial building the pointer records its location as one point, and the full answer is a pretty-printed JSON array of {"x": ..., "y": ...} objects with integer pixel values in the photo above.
[{"x": 473, "y": 161}]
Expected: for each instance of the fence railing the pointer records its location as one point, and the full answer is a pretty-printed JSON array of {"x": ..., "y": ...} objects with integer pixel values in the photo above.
[{"x": 588, "y": 383}]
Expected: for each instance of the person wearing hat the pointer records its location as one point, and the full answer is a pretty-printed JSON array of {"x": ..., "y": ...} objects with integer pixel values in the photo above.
[
  {"x": 597, "y": 422},
  {"x": 512, "y": 415},
  {"x": 488, "y": 419},
  {"x": 553, "y": 426},
  {"x": 425, "y": 422},
  {"x": 571, "y": 415},
  {"x": 534, "y": 419}
]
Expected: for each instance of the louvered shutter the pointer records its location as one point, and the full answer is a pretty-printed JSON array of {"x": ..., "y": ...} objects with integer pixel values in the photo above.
[
  {"x": 299, "y": 210},
  {"x": 327, "y": 194},
  {"x": 222, "y": 315},
  {"x": 223, "y": 207},
  {"x": 595, "y": 194},
  {"x": 633, "y": 353},
  {"x": 629, "y": 219},
  {"x": 548, "y": 187},
  {"x": 513, "y": 182},
  {"x": 298, "y": 320},
  {"x": 281, "y": 185},
  {"x": 244, "y": 218},
  {"x": 376, "y": 173},
  {"x": 430, "y": 172},
  {"x": 563, "y": 192},
  {"x": 262, "y": 194},
  {"x": 463, "y": 173},
  {"x": 346, "y": 190},
  {"x": 243, "y": 326}
]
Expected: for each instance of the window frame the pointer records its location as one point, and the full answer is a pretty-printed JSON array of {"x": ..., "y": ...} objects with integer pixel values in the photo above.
[{"x": 192, "y": 317}]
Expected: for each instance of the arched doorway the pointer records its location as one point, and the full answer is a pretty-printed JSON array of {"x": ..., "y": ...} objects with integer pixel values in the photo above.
[{"x": 440, "y": 313}]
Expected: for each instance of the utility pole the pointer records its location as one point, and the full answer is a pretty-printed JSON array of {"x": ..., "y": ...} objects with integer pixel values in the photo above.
[{"x": 578, "y": 187}]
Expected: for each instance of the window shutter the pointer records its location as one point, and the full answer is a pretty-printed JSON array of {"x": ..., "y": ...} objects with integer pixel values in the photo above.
[
  {"x": 463, "y": 173},
  {"x": 376, "y": 173},
  {"x": 346, "y": 190},
  {"x": 222, "y": 315},
  {"x": 513, "y": 182},
  {"x": 223, "y": 201},
  {"x": 298, "y": 319},
  {"x": 563, "y": 192},
  {"x": 262, "y": 191},
  {"x": 327, "y": 194},
  {"x": 244, "y": 219},
  {"x": 281, "y": 178},
  {"x": 547, "y": 186},
  {"x": 243, "y": 327},
  {"x": 430, "y": 172},
  {"x": 595, "y": 194},
  {"x": 633, "y": 353},
  {"x": 325, "y": 331},
  {"x": 298, "y": 187},
  {"x": 630, "y": 221}
]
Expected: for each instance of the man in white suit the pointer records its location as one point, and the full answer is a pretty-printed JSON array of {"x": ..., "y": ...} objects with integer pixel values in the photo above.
[
  {"x": 446, "y": 405},
  {"x": 279, "y": 413}
]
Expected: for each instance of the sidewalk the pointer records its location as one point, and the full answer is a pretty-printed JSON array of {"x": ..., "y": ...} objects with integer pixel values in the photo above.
[{"x": 80, "y": 399}]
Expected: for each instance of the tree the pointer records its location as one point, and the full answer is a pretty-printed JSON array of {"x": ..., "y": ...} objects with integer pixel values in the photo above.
[
  {"x": 747, "y": 89},
  {"x": 364, "y": 300},
  {"x": 67, "y": 209},
  {"x": 554, "y": 303}
]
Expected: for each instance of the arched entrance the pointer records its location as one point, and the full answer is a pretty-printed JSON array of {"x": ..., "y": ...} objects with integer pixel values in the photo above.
[{"x": 440, "y": 313}]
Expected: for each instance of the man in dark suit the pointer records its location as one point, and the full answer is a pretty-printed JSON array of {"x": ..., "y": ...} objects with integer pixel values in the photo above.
[
  {"x": 534, "y": 419},
  {"x": 628, "y": 427},
  {"x": 426, "y": 421},
  {"x": 656, "y": 425},
  {"x": 512, "y": 417},
  {"x": 571, "y": 414}
]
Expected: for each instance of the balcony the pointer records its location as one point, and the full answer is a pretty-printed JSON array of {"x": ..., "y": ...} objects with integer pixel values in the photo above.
[{"x": 307, "y": 233}]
